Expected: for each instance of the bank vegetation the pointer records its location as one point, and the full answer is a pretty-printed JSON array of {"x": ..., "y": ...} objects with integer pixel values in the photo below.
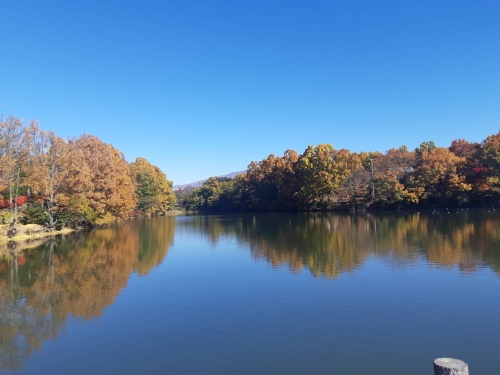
[
  {"x": 322, "y": 178},
  {"x": 75, "y": 183}
]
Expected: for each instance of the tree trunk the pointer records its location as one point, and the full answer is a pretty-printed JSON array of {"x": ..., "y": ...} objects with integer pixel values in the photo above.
[
  {"x": 16, "y": 198},
  {"x": 50, "y": 203},
  {"x": 52, "y": 223},
  {"x": 450, "y": 366},
  {"x": 10, "y": 197}
]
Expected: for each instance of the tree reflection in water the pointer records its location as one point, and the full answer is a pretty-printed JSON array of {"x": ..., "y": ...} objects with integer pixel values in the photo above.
[
  {"x": 79, "y": 275},
  {"x": 329, "y": 244}
]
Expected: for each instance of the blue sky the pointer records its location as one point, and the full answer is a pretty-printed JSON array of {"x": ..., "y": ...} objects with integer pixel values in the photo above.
[{"x": 202, "y": 88}]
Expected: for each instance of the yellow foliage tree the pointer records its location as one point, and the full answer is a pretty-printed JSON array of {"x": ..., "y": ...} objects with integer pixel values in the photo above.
[
  {"x": 154, "y": 191},
  {"x": 438, "y": 173}
]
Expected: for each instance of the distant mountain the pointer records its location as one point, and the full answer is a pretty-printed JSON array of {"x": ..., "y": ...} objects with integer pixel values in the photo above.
[{"x": 199, "y": 183}]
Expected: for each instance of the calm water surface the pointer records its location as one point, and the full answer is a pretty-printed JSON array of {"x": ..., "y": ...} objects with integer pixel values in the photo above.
[{"x": 257, "y": 294}]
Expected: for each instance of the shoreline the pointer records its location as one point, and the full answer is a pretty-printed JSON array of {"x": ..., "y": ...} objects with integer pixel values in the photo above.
[
  {"x": 33, "y": 232},
  {"x": 32, "y": 235},
  {"x": 30, "y": 232},
  {"x": 16, "y": 245}
]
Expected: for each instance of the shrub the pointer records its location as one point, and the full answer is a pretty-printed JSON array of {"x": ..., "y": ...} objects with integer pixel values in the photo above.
[
  {"x": 6, "y": 218},
  {"x": 36, "y": 215},
  {"x": 5, "y": 203}
]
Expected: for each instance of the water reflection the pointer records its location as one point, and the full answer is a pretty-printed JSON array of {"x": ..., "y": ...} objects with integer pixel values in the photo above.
[
  {"x": 329, "y": 244},
  {"x": 79, "y": 275}
]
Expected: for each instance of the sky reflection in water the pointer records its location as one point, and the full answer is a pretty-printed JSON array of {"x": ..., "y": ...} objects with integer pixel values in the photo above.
[{"x": 365, "y": 293}]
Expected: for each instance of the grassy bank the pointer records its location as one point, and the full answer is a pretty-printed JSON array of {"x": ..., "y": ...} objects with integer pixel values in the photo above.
[{"x": 29, "y": 232}]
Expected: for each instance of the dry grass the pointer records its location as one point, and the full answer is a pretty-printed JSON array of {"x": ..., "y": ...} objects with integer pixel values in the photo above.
[
  {"x": 174, "y": 213},
  {"x": 28, "y": 232}
]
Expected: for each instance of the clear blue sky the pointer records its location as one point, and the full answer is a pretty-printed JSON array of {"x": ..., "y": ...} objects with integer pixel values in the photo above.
[{"x": 202, "y": 88}]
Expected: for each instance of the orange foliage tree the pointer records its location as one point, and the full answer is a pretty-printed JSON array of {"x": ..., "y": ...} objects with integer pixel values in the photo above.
[{"x": 98, "y": 182}]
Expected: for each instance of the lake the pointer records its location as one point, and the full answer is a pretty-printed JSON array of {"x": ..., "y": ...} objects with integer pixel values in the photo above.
[{"x": 303, "y": 293}]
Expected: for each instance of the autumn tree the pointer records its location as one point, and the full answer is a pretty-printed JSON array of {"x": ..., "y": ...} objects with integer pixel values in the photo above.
[
  {"x": 322, "y": 170},
  {"x": 392, "y": 177},
  {"x": 98, "y": 183},
  {"x": 11, "y": 136},
  {"x": 437, "y": 173},
  {"x": 33, "y": 157},
  {"x": 154, "y": 191},
  {"x": 489, "y": 157},
  {"x": 357, "y": 183},
  {"x": 271, "y": 183},
  {"x": 263, "y": 183},
  {"x": 463, "y": 148},
  {"x": 46, "y": 164},
  {"x": 14, "y": 152}
]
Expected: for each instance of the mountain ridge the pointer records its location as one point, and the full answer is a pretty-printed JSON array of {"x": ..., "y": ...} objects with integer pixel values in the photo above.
[{"x": 199, "y": 183}]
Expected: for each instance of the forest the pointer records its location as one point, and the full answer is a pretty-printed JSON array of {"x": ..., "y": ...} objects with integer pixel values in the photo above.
[
  {"x": 465, "y": 174},
  {"x": 80, "y": 182}
]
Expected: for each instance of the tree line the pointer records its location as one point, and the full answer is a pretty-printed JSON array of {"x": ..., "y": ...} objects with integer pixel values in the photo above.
[
  {"x": 322, "y": 178},
  {"x": 75, "y": 182}
]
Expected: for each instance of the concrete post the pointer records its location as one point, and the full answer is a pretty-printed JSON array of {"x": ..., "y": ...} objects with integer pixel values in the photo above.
[{"x": 450, "y": 366}]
